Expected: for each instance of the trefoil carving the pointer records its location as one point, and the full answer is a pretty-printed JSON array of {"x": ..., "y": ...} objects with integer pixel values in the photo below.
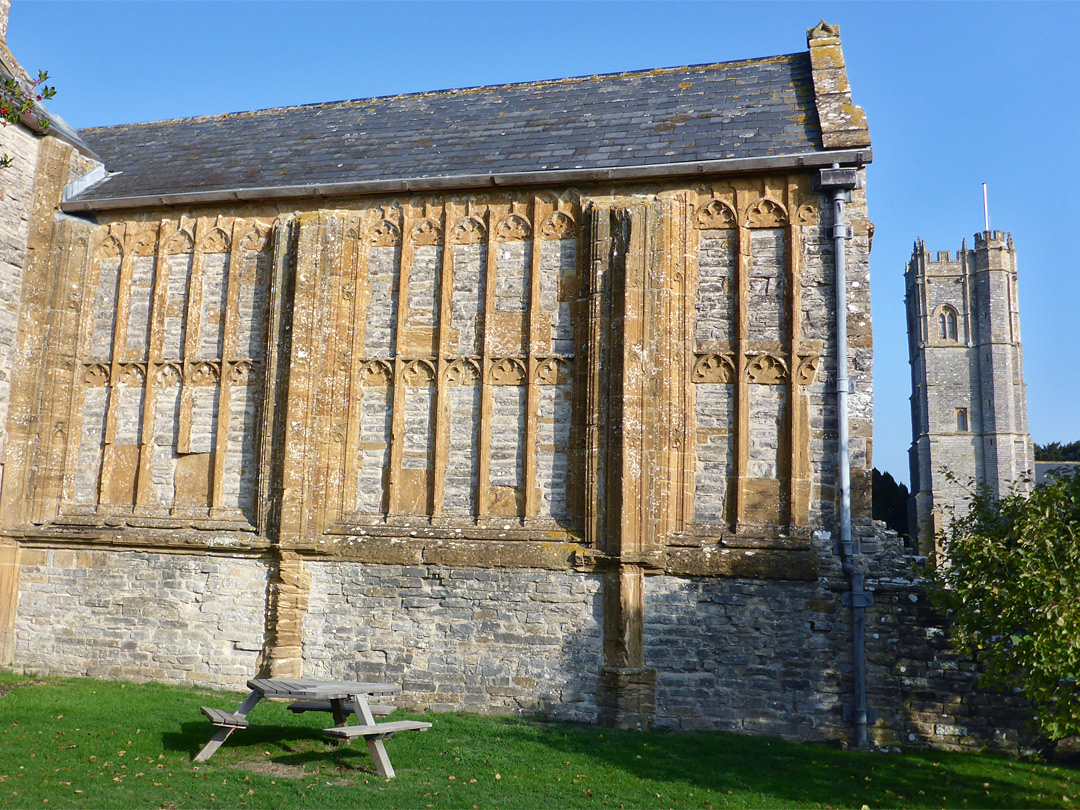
[
  {"x": 513, "y": 228},
  {"x": 427, "y": 232},
  {"x": 132, "y": 375},
  {"x": 419, "y": 372},
  {"x": 180, "y": 242},
  {"x": 806, "y": 214},
  {"x": 167, "y": 375},
  {"x": 240, "y": 372},
  {"x": 554, "y": 371},
  {"x": 764, "y": 369},
  {"x": 109, "y": 249},
  {"x": 508, "y": 371},
  {"x": 463, "y": 371},
  {"x": 204, "y": 373},
  {"x": 96, "y": 375},
  {"x": 558, "y": 225},
  {"x": 145, "y": 244},
  {"x": 470, "y": 231},
  {"x": 806, "y": 373},
  {"x": 766, "y": 213},
  {"x": 376, "y": 373},
  {"x": 714, "y": 215},
  {"x": 385, "y": 233},
  {"x": 257, "y": 238},
  {"x": 714, "y": 368},
  {"x": 217, "y": 241}
]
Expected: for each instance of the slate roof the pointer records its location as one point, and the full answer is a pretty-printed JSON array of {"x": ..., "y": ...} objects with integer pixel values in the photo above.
[{"x": 754, "y": 108}]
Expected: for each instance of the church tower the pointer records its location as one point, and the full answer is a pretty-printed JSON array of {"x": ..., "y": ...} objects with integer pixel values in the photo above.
[{"x": 968, "y": 407}]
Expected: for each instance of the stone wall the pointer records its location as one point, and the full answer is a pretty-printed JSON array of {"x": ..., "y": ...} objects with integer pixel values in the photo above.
[
  {"x": 969, "y": 409},
  {"x": 16, "y": 204},
  {"x": 141, "y": 615},
  {"x": 477, "y": 639}
]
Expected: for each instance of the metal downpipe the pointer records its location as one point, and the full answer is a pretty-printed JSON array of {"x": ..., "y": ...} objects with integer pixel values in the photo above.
[{"x": 856, "y": 597}]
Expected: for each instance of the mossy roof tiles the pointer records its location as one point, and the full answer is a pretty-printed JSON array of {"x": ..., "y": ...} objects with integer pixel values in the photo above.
[{"x": 754, "y": 108}]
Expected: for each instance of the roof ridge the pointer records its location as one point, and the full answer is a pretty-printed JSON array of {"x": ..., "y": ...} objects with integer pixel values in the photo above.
[{"x": 456, "y": 91}]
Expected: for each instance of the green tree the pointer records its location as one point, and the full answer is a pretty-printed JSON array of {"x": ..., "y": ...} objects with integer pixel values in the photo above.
[
  {"x": 18, "y": 101},
  {"x": 1056, "y": 451},
  {"x": 1011, "y": 579}
]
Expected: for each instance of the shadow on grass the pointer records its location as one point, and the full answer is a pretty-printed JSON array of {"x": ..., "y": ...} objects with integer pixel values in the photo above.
[
  {"x": 290, "y": 746},
  {"x": 796, "y": 773}
]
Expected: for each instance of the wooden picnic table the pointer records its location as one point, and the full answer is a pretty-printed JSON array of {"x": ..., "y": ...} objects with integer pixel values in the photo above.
[{"x": 341, "y": 698}]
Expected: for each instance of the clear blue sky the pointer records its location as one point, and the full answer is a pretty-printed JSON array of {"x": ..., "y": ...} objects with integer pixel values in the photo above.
[{"x": 956, "y": 95}]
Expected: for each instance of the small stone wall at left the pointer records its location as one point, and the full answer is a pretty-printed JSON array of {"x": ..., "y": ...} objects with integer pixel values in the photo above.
[{"x": 141, "y": 615}]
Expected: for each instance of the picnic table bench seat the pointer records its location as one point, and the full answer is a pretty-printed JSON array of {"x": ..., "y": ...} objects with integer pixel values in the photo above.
[
  {"x": 301, "y": 706},
  {"x": 224, "y": 719},
  {"x": 379, "y": 731}
]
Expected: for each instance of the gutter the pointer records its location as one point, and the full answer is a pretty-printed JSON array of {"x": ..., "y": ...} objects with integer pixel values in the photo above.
[
  {"x": 471, "y": 181},
  {"x": 841, "y": 182}
]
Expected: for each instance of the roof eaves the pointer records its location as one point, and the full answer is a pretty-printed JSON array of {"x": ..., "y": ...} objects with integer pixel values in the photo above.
[{"x": 858, "y": 157}]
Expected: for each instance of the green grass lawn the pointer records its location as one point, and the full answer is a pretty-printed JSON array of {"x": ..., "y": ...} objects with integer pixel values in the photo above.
[{"x": 84, "y": 743}]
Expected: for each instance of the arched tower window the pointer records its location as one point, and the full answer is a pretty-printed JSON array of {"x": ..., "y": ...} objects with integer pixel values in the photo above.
[
  {"x": 947, "y": 324},
  {"x": 962, "y": 420}
]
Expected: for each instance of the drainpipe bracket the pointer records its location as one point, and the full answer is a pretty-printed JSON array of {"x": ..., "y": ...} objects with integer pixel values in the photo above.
[
  {"x": 859, "y": 600},
  {"x": 845, "y": 548},
  {"x": 849, "y": 715}
]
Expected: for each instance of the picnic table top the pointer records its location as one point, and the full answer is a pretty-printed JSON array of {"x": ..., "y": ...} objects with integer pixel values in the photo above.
[{"x": 306, "y": 688}]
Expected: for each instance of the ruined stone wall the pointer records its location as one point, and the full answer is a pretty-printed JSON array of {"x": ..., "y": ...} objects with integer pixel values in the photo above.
[
  {"x": 141, "y": 615},
  {"x": 16, "y": 206},
  {"x": 489, "y": 446},
  {"x": 478, "y": 639}
]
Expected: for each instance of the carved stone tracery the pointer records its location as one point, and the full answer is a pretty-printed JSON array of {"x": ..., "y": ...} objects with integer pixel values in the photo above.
[
  {"x": 714, "y": 215},
  {"x": 470, "y": 231},
  {"x": 513, "y": 228},
  {"x": 766, "y": 213},
  {"x": 766, "y": 369},
  {"x": 714, "y": 368},
  {"x": 558, "y": 225}
]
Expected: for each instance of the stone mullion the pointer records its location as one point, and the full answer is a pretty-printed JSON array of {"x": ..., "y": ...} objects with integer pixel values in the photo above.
[
  {"x": 442, "y": 390},
  {"x": 664, "y": 334},
  {"x": 320, "y": 439},
  {"x": 277, "y": 353},
  {"x": 296, "y": 461},
  {"x": 335, "y": 382},
  {"x": 483, "y": 477},
  {"x": 228, "y": 349},
  {"x": 79, "y": 270},
  {"x": 158, "y": 303},
  {"x": 742, "y": 387},
  {"x": 345, "y": 301},
  {"x": 123, "y": 306},
  {"x": 397, "y": 429},
  {"x": 192, "y": 328},
  {"x": 361, "y": 301},
  {"x": 532, "y": 394},
  {"x": 686, "y": 425},
  {"x": 599, "y": 231},
  {"x": 798, "y": 418},
  {"x": 89, "y": 280},
  {"x": 635, "y": 470}
]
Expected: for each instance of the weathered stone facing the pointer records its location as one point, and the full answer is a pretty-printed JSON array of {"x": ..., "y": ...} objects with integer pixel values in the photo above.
[
  {"x": 141, "y": 616},
  {"x": 747, "y": 655},
  {"x": 487, "y": 640},
  {"x": 16, "y": 205},
  {"x": 969, "y": 409},
  {"x": 714, "y": 301},
  {"x": 715, "y": 418}
]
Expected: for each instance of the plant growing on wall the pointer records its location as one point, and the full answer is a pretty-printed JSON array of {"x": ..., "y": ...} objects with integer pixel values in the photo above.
[
  {"x": 1012, "y": 582},
  {"x": 18, "y": 101}
]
